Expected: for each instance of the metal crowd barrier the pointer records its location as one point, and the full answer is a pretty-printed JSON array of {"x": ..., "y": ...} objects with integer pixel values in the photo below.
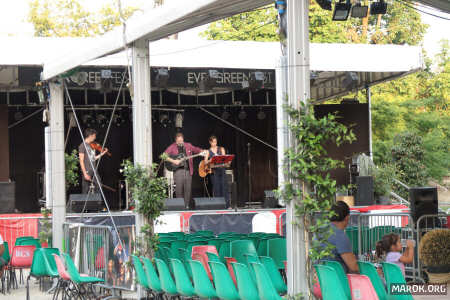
[{"x": 96, "y": 251}]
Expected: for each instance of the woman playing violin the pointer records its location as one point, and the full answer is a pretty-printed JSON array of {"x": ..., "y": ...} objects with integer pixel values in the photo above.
[{"x": 88, "y": 157}]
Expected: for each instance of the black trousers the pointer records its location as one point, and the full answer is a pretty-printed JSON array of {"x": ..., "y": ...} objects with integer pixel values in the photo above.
[
  {"x": 85, "y": 185},
  {"x": 220, "y": 186}
]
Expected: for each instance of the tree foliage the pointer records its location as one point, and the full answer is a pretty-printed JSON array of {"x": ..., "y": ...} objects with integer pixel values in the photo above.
[{"x": 68, "y": 18}]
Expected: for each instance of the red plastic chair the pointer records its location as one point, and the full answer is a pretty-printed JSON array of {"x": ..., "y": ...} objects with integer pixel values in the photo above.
[
  {"x": 21, "y": 258},
  {"x": 361, "y": 287},
  {"x": 100, "y": 259},
  {"x": 199, "y": 253},
  {"x": 230, "y": 268}
]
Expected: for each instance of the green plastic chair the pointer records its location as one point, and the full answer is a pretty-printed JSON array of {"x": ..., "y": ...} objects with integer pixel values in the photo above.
[
  {"x": 174, "y": 253},
  {"x": 240, "y": 248},
  {"x": 167, "y": 283},
  {"x": 330, "y": 286},
  {"x": 266, "y": 290},
  {"x": 205, "y": 233},
  {"x": 202, "y": 285},
  {"x": 152, "y": 277},
  {"x": 177, "y": 234},
  {"x": 263, "y": 247},
  {"x": 222, "y": 281},
  {"x": 393, "y": 275},
  {"x": 141, "y": 276},
  {"x": 274, "y": 274},
  {"x": 75, "y": 275},
  {"x": 43, "y": 265},
  {"x": 341, "y": 275},
  {"x": 182, "y": 281},
  {"x": 216, "y": 242},
  {"x": 368, "y": 269},
  {"x": 213, "y": 257},
  {"x": 225, "y": 251},
  {"x": 29, "y": 242},
  {"x": 23, "y": 238},
  {"x": 246, "y": 286},
  {"x": 277, "y": 250}
]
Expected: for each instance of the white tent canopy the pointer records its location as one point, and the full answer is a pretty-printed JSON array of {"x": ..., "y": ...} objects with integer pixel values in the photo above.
[{"x": 329, "y": 62}]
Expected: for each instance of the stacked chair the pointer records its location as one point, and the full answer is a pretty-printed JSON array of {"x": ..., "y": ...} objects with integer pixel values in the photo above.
[{"x": 202, "y": 265}]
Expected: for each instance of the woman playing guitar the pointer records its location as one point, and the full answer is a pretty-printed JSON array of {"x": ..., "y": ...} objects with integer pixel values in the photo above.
[{"x": 220, "y": 187}]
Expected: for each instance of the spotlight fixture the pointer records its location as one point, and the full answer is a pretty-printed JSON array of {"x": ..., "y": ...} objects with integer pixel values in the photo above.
[
  {"x": 256, "y": 81},
  {"x": 164, "y": 119},
  {"x": 162, "y": 77},
  {"x": 359, "y": 11},
  {"x": 342, "y": 10},
  {"x": 179, "y": 120},
  {"x": 242, "y": 114},
  {"x": 378, "y": 8},
  {"x": 87, "y": 120},
  {"x": 350, "y": 80},
  {"x": 18, "y": 116},
  {"x": 118, "y": 119},
  {"x": 105, "y": 84},
  {"x": 208, "y": 81},
  {"x": 261, "y": 114},
  {"x": 225, "y": 114},
  {"x": 324, "y": 4},
  {"x": 101, "y": 120}
]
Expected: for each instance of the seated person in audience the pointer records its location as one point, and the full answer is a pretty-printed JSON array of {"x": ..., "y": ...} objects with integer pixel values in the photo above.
[
  {"x": 390, "y": 247},
  {"x": 342, "y": 252}
]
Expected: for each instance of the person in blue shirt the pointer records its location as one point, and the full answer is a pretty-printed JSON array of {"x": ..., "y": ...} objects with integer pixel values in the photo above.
[{"x": 342, "y": 251}]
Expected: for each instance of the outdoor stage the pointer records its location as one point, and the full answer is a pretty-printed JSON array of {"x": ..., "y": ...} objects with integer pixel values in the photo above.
[{"x": 237, "y": 220}]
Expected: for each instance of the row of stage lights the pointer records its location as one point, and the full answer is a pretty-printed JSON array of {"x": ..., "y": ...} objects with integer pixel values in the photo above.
[
  {"x": 101, "y": 120},
  {"x": 345, "y": 8}
]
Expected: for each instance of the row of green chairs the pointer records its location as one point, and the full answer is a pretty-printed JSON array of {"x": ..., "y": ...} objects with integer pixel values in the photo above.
[
  {"x": 201, "y": 286},
  {"x": 334, "y": 282}
]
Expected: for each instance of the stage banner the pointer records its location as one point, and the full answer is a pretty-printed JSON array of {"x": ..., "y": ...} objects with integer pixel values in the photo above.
[{"x": 240, "y": 223}]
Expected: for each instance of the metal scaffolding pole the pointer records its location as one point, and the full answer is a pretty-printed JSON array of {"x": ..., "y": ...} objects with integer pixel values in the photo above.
[
  {"x": 298, "y": 91},
  {"x": 369, "y": 107},
  {"x": 57, "y": 184},
  {"x": 282, "y": 130},
  {"x": 142, "y": 115}
]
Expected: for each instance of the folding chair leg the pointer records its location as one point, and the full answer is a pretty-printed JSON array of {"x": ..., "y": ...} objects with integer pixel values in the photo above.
[{"x": 28, "y": 287}]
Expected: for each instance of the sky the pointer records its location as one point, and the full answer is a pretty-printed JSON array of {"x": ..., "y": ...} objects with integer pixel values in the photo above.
[{"x": 13, "y": 21}]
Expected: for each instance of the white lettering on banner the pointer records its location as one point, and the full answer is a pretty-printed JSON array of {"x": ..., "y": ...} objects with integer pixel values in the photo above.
[{"x": 225, "y": 77}]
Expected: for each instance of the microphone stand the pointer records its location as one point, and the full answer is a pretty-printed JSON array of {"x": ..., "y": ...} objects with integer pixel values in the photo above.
[{"x": 249, "y": 176}]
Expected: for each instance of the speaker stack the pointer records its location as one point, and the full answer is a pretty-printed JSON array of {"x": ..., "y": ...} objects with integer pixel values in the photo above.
[
  {"x": 172, "y": 204},
  {"x": 424, "y": 201},
  {"x": 364, "y": 191},
  {"x": 90, "y": 203}
]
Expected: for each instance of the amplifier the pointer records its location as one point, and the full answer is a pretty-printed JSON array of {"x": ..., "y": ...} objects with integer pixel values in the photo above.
[
  {"x": 210, "y": 203},
  {"x": 90, "y": 202},
  {"x": 174, "y": 204}
]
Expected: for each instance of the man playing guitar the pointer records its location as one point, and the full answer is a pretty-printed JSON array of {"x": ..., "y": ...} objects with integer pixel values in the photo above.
[{"x": 183, "y": 170}]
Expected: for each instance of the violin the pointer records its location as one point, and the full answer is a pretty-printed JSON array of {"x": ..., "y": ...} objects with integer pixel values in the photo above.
[{"x": 98, "y": 147}]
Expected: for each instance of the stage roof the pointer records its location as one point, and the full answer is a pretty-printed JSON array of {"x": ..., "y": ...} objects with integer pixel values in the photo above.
[{"x": 330, "y": 63}]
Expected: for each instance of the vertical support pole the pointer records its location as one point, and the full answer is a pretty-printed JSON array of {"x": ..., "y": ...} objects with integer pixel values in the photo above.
[
  {"x": 48, "y": 167},
  {"x": 142, "y": 115},
  {"x": 298, "y": 91},
  {"x": 282, "y": 130},
  {"x": 57, "y": 167},
  {"x": 369, "y": 107}
]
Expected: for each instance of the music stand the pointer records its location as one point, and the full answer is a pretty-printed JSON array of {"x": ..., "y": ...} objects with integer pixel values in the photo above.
[{"x": 222, "y": 159}]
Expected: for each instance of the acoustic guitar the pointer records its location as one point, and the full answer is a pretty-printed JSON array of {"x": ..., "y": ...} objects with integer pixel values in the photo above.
[
  {"x": 204, "y": 169},
  {"x": 182, "y": 157}
]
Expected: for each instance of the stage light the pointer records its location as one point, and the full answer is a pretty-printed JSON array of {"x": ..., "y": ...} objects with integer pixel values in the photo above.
[
  {"x": 179, "y": 120},
  {"x": 261, "y": 114},
  {"x": 324, "y": 4},
  {"x": 208, "y": 81},
  {"x": 42, "y": 91},
  {"x": 164, "y": 119},
  {"x": 18, "y": 116},
  {"x": 242, "y": 114},
  {"x": 225, "y": 114},
  {"x": 342, "y": 10},
  {"x": 118, "y": 119},
  {"x": 378, "y": 8},
  {"x": 350, "y": 80},
  {"x": 87, "y": 119},
  {"x": 256, "y": 81},
  {"x": 359, "y": 11},
  {"x": 105, "y": 84},
  {"x": 101, "y": 120},
  {"x": 162, "y": 77}
]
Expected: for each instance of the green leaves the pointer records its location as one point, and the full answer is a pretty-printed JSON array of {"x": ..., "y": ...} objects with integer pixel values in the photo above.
[
  {"x": 148, "y": 191},
  {"x": 71, "y": 166}
]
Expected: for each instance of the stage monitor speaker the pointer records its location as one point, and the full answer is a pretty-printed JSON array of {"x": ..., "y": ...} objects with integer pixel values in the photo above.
[
  {"x": 209, "y": 203},
  {"x": 364, "y": 191},
  {"x": 7, "y": 197},
  {"x": 423, "y": 201},
  {"x": 174, "y": 204},
  {"x": 93, "y": 203}
]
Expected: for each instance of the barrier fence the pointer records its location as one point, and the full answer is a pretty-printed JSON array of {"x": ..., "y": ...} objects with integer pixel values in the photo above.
[{"x": 96, "y": 251}]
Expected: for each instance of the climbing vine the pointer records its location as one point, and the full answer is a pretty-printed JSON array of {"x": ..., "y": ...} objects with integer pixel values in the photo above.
[
  {"x": 72, "y": 162},
  {"x": 307, "y": 165},
  {"x": 148, "y": 192}
]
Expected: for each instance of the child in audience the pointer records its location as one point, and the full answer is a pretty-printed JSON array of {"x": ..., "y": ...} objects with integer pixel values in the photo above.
[{"x": 390, "y": 247}]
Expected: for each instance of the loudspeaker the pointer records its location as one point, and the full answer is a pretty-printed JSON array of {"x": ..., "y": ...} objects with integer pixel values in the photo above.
[
  {"x": 210, "y": 203},
  {"x": 174, "y": 204},
  {"x": 91, "y": 203},
  {"x": 423, "y": 201},
  {"x": 364, "y": 191},
  {"x": 7, "y": 197}
]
